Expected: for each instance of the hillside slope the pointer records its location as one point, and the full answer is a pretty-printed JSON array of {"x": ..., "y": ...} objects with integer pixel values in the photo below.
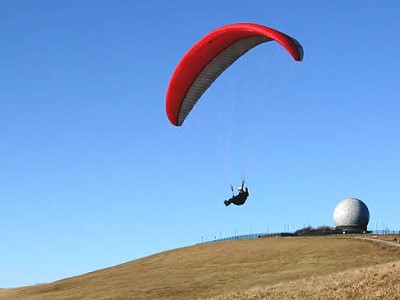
[
  {"x": 232, "y": 270},
  {"x": 375, "y": 282}
]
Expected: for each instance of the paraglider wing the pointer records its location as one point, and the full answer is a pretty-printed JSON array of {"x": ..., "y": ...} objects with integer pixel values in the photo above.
[{"x": 211, "y": 56}]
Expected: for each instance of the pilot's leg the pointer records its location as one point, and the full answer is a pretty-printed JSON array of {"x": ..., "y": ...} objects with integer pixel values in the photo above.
[{"x": 227, "y": 202}]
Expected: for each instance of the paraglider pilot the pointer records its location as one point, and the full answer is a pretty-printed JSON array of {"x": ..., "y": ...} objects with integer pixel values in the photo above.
[{"x": 240, "y": 198}]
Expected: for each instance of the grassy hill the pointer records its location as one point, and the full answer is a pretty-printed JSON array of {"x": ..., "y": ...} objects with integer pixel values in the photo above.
[{"x": 279, "y": 268}]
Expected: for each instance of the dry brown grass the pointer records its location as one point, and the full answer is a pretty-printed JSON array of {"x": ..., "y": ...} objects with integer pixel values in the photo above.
[
  {"x": 376, "y": 282},
  {"x": 270, "y": 268}
]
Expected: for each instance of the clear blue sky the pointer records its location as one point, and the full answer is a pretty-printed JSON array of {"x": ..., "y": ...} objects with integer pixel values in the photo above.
[{"x": 92, "y": 174}]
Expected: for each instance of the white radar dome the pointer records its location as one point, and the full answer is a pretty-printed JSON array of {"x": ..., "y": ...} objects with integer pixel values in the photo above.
[{"x": 351, "y": 214}]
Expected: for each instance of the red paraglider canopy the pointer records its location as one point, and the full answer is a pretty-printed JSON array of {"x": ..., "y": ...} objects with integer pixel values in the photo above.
[{"x": 211, "y": 56}]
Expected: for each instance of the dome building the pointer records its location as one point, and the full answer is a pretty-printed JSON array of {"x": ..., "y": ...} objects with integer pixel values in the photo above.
[{"x": 351, "y": 214}]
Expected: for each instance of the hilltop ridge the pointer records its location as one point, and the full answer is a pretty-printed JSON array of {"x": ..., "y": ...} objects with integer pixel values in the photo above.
[{"x": 225, "y": 270}]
